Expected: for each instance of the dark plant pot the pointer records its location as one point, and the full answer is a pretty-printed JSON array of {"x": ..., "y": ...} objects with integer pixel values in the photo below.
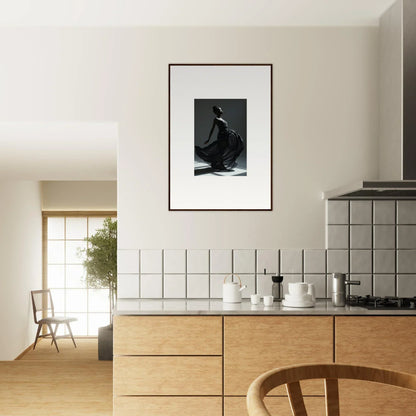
[{"x": 105, "y": 343}]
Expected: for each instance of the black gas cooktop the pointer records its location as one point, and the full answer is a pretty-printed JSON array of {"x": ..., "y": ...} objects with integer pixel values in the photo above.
[{"x": 388, "y": 302}]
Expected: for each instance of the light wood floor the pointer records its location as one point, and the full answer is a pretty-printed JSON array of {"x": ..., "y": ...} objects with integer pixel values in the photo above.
[{"x": 44, "y": 382}]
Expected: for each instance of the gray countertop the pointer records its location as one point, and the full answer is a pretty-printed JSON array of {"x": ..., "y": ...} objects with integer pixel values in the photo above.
[{"x": 217, "y": 307}]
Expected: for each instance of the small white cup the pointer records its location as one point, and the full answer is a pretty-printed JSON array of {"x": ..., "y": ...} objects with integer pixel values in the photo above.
[
  {"x": 268, "y": 300},
  {"x": 255, "y": 299}
]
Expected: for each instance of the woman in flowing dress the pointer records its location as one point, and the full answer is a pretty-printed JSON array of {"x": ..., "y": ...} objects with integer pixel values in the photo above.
[{"x": 223, "y": 153}]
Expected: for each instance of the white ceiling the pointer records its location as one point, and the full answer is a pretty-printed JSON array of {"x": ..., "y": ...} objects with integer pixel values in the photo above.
[
  {"x": 191, "y": 12},
  {"x": 58, "y": 151}
]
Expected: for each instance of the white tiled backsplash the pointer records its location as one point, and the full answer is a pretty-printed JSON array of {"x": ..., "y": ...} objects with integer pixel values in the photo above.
[{"x": 371, "y": 241}]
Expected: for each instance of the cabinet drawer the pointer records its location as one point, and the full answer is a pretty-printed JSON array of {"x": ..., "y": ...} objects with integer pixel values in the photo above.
[
  {"x": 236, "y": 406},
  {"x": 167, "y": 335},
  {"x": 168, "y": 406},
  {"x": 253, "y": 345},
  {"x": 182, "y": 376},
  {"x": 378, "y": 341}
]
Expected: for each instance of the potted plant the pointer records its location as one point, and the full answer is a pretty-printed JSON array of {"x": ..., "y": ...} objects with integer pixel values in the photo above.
[{"x": 101, "y": 272}]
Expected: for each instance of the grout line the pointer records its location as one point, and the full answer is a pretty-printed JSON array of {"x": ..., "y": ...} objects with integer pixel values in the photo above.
[
  {"x": 372, "y": 249},
  {"x": 186, "y": 274},
  {"x": 396, "y": 252},
  {"x": 163, "y": 274}
]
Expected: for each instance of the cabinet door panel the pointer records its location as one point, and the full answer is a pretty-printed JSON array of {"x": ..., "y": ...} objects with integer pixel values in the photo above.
[
  {"x": 381, "y": 341},
  {"x": 167, "y": 335},
  {"x": 376, "y": 341},
  {"x": 370, "y": 399},
  {"x": 253, "y": 345},
  {"x": 168, "y": 406},
  {"x": 182, "y": 376},
  {"x": 236, "y": 406}
]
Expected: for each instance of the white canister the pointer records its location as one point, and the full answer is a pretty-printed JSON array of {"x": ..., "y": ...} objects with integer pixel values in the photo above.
[{"x": 231, "y": 291}]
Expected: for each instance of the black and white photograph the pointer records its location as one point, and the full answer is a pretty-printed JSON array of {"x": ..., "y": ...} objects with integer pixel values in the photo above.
[{"x": 220, "y": 137}]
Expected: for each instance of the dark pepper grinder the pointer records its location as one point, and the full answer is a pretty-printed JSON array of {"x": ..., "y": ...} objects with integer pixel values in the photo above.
[{"x": 277, "y": 288}]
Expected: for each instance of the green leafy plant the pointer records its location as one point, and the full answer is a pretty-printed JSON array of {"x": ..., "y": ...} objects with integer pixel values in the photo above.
[{"x": 101, "y": 260}]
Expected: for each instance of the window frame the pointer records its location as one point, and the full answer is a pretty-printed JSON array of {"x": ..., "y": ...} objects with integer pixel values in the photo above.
[{"x": 65, "y": 214}]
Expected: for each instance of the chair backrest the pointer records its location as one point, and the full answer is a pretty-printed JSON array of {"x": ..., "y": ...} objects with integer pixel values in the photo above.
[
  {"x": 290, "y": 376},
  {"x": 42, "y": 303}
]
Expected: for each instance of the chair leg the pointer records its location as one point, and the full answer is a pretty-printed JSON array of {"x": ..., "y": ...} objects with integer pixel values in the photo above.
[
  {"x": 70, "y": 333},
  {"x": 37, "y": 335},
  {"x": 53, "y": 337},
  {"x": 54, "y": 333}
]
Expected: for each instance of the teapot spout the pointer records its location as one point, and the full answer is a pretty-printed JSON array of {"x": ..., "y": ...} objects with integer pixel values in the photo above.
[{"x": 243, "y": 287}]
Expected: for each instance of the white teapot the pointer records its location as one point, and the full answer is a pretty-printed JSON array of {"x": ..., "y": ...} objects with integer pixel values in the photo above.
[{"x": 231, "y": 291}]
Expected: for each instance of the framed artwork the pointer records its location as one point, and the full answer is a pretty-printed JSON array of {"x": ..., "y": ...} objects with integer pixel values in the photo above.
[{"x": 220, "y": 137}]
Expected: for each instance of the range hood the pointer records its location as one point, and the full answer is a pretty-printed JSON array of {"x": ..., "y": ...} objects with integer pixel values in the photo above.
[{"x": 397, "y": 112}]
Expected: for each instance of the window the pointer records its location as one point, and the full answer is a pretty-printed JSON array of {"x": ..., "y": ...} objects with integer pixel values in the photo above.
[{"x": 65, "y": 274}]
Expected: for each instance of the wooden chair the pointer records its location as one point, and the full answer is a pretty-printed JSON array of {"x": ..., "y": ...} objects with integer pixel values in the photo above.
[
  {"x": 42, "y": 302},
  {"x": 330, "y": 373}
]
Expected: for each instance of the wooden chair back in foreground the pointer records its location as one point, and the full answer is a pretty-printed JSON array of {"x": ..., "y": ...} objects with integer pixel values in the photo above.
[{"x": 291, "y": 376}]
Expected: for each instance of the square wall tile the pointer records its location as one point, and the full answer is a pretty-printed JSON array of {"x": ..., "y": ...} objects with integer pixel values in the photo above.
[
  {"x": 337, "y": 261},
  {"x": 151, "y": 261},
  {"x": 151, "y": 286},
  {"x": 366, "y": 286},
  {"x": 384, "y": 236},
  {"x": 215, "y": 285},
  {"x": 290, "y": 279},
  {"x": 384, "y": 285},
  {"x": 128, "y": 286},
  {"x": 406, "y": 261},
  {"x": 360, "y": 236},
  {"x": 337, "y": 237},
  {"x": 267, "y": 260},
  {"x": 361, "y": 212},
  {"x": 221, "y": 261},
  {"x": 264, "y": 284},
  {"x": 406, "y": 286},
  {"x": 319, "y": 280},
  {"x": 384, "y": 212},
  {"x": 314, "y": 261},
  {"x": 198, "y": 286},
  {"x": 244, "y": 261},
  {"x": 384, "y": 261},
  {"x": 197, "y": 261},
  {"x": 291, "y": 261},
  {"x": 406, "y": 236},
  {"x": 174, "y": 286},
  {"x": 406, "y": 212},
  {"x": 128, "y": 261},
  {"x": 174, "y": 261},
  {"x": 337, "y": 212},
  {"x": 360, "y": 261}
]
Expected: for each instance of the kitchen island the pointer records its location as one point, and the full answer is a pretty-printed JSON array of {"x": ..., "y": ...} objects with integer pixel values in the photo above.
[{"x": 188, "y": 357}]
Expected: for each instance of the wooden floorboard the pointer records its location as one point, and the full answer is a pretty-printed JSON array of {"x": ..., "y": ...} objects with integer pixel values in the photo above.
[{"x": 44, "y": 382}]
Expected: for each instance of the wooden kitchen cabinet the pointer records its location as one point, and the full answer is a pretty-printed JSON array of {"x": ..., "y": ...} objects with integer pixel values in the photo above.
[
  {"x": 255, "y": 344},
  {"x": 168, "y": 365},
  {"x": 164, "y": 376},
  {"x": 167, "y": 335},
  {"x": 168, "y": 406},
  {"x": 376, "y": 341},
  {"x": 279, "y": 406}
]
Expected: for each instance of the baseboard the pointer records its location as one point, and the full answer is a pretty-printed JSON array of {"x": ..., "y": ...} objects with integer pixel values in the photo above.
[{"x": 19, "y": 357}]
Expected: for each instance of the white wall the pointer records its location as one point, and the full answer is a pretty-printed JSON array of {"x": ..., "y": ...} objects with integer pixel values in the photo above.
[
  {"x": 79, "y": 195},
  {"x": 325, "y": 118},
  {"x": 21, "y": 264}
]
